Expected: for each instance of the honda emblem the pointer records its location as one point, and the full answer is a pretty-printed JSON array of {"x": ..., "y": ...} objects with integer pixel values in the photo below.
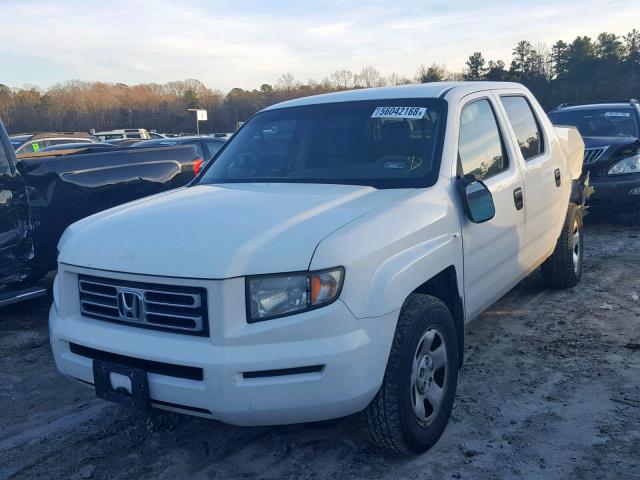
[{"x": 130, "y": 304}]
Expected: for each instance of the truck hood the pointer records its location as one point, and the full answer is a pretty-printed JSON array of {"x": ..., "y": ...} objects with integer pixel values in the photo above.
[{"x": 216, "y": 232}]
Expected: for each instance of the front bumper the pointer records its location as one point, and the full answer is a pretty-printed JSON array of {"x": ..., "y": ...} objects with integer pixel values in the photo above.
[
  {"x": 351, "y": 353},
  {"x": 615, "y": 189}
]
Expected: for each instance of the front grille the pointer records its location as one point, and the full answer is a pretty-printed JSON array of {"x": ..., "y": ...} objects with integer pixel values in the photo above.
[
  {"x": 591, "y": 155},
  {"x": 147, "y": 305}
]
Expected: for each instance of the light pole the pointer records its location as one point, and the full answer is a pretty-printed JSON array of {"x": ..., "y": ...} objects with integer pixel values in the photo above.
[{"x": 201, "y": 116}]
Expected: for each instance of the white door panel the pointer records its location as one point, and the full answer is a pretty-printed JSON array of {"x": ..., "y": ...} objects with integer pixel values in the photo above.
[
  {"x": 543, "y": 197},
  {"x": 491, "y": 249}
]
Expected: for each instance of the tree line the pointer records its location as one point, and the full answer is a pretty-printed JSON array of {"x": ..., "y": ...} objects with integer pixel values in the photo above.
[{"x": 585, "y": 69}]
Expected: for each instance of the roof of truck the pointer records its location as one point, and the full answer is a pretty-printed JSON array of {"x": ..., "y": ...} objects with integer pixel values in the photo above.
[{"x": 419, "y": 90}]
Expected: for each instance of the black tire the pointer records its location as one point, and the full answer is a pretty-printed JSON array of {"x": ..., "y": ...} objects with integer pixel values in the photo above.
[
  {"x": 560, "y": 270},
  {"x": 391, "y": 420}
]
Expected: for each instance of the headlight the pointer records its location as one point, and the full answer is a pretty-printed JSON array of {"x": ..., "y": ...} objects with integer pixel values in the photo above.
[
  {"x": 628, "y": 165},
  {"x": 272, "y": 296}
]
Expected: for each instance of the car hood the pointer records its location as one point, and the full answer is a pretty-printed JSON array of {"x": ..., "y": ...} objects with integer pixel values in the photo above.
[
  {"x": 208, "y": 231},
  {"x": 594, "y": 142}
]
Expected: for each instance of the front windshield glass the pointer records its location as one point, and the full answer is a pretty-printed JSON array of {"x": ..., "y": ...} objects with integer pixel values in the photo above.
[
  {"x": 381, "y": 143},
  {"x": 610, "y": 122}
]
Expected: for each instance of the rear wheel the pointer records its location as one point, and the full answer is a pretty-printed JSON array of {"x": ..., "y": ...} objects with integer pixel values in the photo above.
[
  {"x": 563, "y": 269},
  {"x": 412, "y": 407}
]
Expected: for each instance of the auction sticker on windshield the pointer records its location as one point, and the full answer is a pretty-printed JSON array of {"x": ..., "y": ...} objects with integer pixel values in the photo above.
[{"x": 414, "y": 113}]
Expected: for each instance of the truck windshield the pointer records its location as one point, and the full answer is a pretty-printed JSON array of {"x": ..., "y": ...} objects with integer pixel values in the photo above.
[
  {"x": 599, "y": 122},
  {"x": 381, "y": 143}
]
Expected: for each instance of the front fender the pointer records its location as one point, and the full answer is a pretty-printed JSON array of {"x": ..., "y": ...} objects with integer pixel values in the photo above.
[
  {"x": 389, "y": 253},
  {"x": 402, "y": 273}
]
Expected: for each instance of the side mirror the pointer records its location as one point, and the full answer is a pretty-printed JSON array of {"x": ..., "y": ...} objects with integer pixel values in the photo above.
[{"x": 476, "y": 198}]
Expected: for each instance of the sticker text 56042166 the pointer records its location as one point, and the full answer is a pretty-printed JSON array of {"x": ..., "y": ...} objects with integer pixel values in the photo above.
[{"x": 414, "y": 113}]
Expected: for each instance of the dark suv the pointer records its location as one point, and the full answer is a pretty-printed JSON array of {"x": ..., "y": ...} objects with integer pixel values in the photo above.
[{"x": 611, "y": 133}]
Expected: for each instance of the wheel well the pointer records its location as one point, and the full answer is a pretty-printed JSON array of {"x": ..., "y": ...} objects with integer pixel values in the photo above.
[{"x": 444, "y": 286}]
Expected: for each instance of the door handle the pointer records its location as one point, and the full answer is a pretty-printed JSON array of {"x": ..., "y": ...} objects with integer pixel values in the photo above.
[
  {"x": 518, "y": 199},
  {"x": 558, "y": 177}
]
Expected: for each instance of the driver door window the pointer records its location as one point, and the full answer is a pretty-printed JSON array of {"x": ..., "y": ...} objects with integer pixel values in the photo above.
[{"x": 480, "y": 147}]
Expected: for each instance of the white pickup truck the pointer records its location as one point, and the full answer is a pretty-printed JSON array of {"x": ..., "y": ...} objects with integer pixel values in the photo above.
[{"x": 327, "y": 261}]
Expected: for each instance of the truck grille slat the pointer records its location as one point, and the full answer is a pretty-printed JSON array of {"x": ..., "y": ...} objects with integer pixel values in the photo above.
[
  {"x": 165, "y": 307},
  {"x": 106, "y": 302}
]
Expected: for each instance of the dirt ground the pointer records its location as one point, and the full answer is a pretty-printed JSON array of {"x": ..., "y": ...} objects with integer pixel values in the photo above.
[{"x": 550, "y": 390}]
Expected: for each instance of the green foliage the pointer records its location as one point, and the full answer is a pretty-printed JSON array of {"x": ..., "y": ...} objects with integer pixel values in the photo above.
[
  {"x": 475, "y": 67},
  {"x": 432, "y": 73},
  {"x": 580, "y": 71}
]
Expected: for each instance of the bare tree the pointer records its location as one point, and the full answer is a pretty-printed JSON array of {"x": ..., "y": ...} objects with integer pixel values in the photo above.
[
  {"x": 369, "y": 77},
  {"x": 287, "y": 82},
  {"x": 342, "y": 79},
  {"x": 396, "y": 79}
]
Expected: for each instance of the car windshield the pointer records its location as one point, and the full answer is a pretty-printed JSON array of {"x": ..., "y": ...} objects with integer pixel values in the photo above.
[
  {"x": 607, "y": 122},
  {"x": 381, "y": 143}
]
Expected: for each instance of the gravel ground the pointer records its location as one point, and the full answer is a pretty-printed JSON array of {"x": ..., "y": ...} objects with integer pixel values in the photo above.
[{"x": 550, "y": 389}]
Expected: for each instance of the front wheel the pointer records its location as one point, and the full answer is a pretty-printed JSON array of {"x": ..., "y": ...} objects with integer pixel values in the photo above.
[
  {"x": 412, "y": 407},
  {"x": 563, "y": 269}
]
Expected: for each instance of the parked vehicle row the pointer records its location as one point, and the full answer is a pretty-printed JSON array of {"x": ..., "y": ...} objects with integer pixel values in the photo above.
[
  {"x": 30, "y": 143},
  {"x": 327, "y": 262},
  {"x": 137, "y": 133}
]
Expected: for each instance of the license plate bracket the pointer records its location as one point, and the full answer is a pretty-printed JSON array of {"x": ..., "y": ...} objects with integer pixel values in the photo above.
[{"x": 139, "y": 396}]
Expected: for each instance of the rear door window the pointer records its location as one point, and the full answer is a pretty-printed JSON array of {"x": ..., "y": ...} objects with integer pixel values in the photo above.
[
  {"x": 525, "y": 126},
  {"x": 480, "y": 146}
]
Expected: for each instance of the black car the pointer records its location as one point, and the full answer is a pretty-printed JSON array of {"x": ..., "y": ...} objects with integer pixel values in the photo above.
[
  {"x": 611, "y": 133},
  {"x": 206, "y": 147}
]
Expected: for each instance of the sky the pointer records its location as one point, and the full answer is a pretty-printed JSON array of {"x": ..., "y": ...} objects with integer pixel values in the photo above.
[{"x": 245, "y": 43}]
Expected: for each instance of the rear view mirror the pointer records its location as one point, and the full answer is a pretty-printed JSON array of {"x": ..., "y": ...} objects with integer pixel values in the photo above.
[{"x": 476, "y": 198}]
